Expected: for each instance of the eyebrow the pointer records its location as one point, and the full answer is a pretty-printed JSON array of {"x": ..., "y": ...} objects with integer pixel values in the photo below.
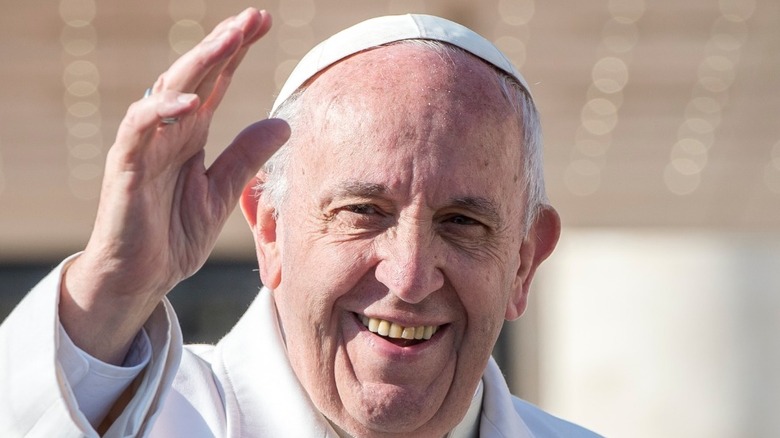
[{"x": 359, "y": 188}]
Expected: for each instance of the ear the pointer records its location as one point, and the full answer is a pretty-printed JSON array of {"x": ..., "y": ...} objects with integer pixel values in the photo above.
[
  {"x": 538, "y": 244},
  {"x": 260, "y": 217}
]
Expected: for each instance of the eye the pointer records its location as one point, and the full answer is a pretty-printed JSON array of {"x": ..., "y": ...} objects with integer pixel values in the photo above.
[
  {"x": 362, "y": 209},
  {"x": 462, "y": 220},
  {"x": 360, "y": 218},
  {"x": 463, "y": 229}
]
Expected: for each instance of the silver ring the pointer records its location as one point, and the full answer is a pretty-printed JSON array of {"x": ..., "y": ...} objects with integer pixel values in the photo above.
[{"x": 164, "y": 120}]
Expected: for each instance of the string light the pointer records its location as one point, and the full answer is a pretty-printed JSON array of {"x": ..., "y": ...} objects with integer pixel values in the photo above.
[
  {"x": 186, "y": 30},
  {"x": 294, "y": 37},
  {"x": 81, "y": 98},
  {"x": 600, "y": 114},
  {"x": 297, "y": 13},
  {"x": 513, "y": 31},
  {"x": 183, "y": 35},
  {"x": 516, "y": 13},
  {"x": 689, "y": 156}
]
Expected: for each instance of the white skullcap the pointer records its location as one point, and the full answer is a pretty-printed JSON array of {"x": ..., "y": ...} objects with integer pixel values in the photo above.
[{"x": 383, "y": 30}]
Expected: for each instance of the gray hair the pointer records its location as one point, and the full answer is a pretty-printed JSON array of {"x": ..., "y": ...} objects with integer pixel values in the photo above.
[{"x": 275, "y": 185}]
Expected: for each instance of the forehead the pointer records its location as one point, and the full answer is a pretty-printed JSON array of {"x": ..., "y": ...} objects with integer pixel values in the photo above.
[
  {"x": 409, "y": 71},
  {"x": 436, "y": 111}
]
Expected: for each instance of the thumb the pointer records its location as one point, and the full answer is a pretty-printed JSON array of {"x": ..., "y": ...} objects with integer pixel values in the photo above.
[{"x": 241, "y": 160}]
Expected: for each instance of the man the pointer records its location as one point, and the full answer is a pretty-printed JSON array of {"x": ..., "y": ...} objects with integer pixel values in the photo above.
[{"x": 395, "y": 231}]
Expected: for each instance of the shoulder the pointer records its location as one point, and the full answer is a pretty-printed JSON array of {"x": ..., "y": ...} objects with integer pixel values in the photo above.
[{"x": 544, "y": 424}]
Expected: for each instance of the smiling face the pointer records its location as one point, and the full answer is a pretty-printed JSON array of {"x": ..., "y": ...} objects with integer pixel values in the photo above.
[{"x": 399, "y": 250}]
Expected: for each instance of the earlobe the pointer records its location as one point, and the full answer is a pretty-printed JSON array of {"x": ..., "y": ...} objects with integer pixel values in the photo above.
[
  {"x": 538, "y": 244},
  {"x": 262, "y": 220}
]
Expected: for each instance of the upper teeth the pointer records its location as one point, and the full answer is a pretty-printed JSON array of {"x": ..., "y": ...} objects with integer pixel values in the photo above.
[{"x": 395, "y": 331}]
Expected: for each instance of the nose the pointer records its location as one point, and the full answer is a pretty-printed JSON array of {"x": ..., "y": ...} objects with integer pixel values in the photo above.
[{"x": 410, "y": 263}]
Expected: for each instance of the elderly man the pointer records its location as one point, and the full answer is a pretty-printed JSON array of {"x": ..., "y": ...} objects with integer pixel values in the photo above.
[{"x": 398, "y": 227}]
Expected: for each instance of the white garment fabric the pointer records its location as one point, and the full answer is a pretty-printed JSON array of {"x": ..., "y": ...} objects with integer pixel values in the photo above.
[
  {"x": 97, "y": 384},
  {"x": 242, "y": 387}
]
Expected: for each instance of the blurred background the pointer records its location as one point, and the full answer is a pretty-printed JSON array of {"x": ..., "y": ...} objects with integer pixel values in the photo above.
[{"x": 659, "y": 313}]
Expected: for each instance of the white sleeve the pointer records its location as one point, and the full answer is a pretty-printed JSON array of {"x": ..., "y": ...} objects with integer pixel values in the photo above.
[
  {"x": 38, "y": 395},
  {"x": 96, "y": 384}
]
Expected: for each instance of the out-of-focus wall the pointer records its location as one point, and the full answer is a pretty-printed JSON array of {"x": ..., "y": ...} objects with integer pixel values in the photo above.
[{"x": 658, "y": 333}]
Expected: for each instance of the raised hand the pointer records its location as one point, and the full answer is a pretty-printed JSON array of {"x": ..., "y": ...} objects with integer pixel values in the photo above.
[{"x": 160, "y": 208}]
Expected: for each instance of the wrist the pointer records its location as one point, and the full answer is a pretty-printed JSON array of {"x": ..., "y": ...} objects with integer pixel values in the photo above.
[{"x": 100, "y": 314}]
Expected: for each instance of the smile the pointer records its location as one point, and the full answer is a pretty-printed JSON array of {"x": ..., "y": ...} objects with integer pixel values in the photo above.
[{"x": 394, "y": 331}]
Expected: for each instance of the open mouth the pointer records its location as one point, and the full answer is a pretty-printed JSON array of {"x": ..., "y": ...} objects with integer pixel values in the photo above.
[{"x": 397, "y": 334}]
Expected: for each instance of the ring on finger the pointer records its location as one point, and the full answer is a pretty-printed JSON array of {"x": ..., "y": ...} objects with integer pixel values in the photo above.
[{"x": 164, "y": 120}]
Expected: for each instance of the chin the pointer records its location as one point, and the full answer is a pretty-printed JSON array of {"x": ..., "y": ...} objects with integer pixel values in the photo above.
[{"x": 386, "y": 412}]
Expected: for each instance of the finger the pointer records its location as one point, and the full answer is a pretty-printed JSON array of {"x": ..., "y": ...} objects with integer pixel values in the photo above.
[
  {"x": 264, "y": 25},
  {"x": 209, "y": 57},
  {"x": 240, "y": 161},
  {"x": 186, "y": 74},
  {"x": 223, "y": 80},
  {"x": 218, "y": 88},
  {"x": 252, "y": 30},
  {"x": 143, "y": 118}
]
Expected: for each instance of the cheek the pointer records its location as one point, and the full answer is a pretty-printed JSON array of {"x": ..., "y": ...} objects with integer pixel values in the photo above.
[
  {"x": 484, "y": 290},
  {"x": 320, "y": 274},
  {"x": 316, "y": 273},
  {"x": 310, "y": 248}
]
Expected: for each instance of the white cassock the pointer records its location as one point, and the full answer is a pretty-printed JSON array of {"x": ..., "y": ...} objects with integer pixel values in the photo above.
[{"x": 242, "y": 387}]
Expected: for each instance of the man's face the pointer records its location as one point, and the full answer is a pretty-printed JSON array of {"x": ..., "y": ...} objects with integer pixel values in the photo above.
[{"x": 405, "y": 210}]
